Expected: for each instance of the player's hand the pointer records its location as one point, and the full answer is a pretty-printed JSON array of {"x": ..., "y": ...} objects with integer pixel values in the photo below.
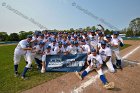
[
  {"x": 99, "y": 25},
  {"x": 119, "y": 41}
]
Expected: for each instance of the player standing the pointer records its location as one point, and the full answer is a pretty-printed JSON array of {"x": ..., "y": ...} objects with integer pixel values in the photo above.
[{"x": 21, "y": 50}]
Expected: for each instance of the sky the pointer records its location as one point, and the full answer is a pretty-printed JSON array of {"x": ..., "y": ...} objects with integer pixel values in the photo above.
[{"x": 31, "y": 15}]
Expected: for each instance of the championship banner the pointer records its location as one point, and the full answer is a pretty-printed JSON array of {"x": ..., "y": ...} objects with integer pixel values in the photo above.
[{"x": 65, "y": 63}]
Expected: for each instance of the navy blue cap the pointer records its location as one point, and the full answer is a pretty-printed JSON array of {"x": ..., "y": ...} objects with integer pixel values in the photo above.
[
  {"x": 103, "y": 42},
  {"x": 108, "y": 36},
  {"x": 76, "y": 42},
  {"x": 92, "y": 31},
  {"x": 80, "y": 37},
  {"x": 37, "y": 32},
  {"x": 65, "y": 32},
  {"x": 75, "y": 36},
  {"x": 116, "y": 32},
  {"x": 93, "y": 50},
  {"x": 54, "y": 33},
  {"x": 97, "y": 30},
  {"x": 60, "y": 43},
  {"x": 85, "y": 33},
  {"x": 78, "y": 34},
  {"x": 29, "y": 36},
  {"x": 65, "y": 44},
  {"x": 72, "y": 33},
  {"x": 83, "y": 40},
  {"x": 100, "y": 33},
  {"x": 72, "y": 42},
  {"x": 53, "y": 40},
  {"x": 41, "y": 34},
  {"x": 48, "y": 47},
  {"x": 69, "y": 36},
  {"x": 41, "y": 43}
]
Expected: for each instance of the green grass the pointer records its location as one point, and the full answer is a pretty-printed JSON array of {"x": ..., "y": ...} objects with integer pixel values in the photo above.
[
  {"x": 10, "y": 84},
  {"x": 125, "y": 46}
]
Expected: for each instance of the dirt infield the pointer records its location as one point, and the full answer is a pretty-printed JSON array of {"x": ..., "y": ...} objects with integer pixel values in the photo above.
[{"x": 126, "y": 81}]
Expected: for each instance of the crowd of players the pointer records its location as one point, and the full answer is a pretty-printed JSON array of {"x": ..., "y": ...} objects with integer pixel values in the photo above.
[{"x": 98, "y": 47}]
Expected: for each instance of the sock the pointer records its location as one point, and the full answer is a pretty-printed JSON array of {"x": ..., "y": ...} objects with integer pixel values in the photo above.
[
  {"x": 114, "y": 66},
  {"x": 16, "y": 68},
  {"x": 84, "y": 74},
  {"x": 24, "y": 72},
  {"x": 103, "y": 79},
  {"x": 118, "y": 63},
  {"x": 38, "y": 63},
  {"x": 26, "y": 62}
]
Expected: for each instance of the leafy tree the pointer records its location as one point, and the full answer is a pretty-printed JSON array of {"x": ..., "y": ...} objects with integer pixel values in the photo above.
[
  {"x": 107, "y": 31},
  {"x": 135, "y": 26},
  {"x": 23, "y": 34},
  {"x": 71, "y": 30},
  {"x": 14, "y": 37},
  {"x": 3, "y": 36},
  {"x": 88, "y": 28},
  {"x": 93, "y": 28},
  {"x": 129, "y": 32}
]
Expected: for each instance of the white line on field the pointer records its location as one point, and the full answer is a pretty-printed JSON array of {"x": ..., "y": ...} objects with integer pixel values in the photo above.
[
  {"x": 131, "y": 52},
  {"x": 94, "y": 78}
]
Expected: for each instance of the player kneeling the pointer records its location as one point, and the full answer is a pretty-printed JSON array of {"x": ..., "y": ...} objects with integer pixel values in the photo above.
[
  {"x": 94, "y": 62},
  {"x": 47, "y": 51}
]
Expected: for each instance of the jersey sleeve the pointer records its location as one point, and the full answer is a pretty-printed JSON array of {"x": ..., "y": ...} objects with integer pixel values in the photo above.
[{"x": 22, "y": 44}]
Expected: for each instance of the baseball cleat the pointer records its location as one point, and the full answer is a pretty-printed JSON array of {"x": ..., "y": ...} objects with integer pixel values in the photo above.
[
  {"x": 78, "y": 75},
  {"x": 16, "y": 74},
  {"x": 24, "y": 78},
  {"x": 109, "y": 85},
  {"x": 42, "y": 70}
]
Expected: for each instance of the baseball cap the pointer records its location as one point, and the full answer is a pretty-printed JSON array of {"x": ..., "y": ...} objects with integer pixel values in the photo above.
[
  {"x": 29, "y": 36},
  {"x": 116, "y": 32},
  {"x": 108, "y": 36},
  {"x": 76, "y": 42},
  {"x": 93, "y": 50},
  {"x": 103, "y": 42},
  {"x": 48, "y": 47},
  {"x": 60, "y": 43},
  {"x": 41, "y": 43}
]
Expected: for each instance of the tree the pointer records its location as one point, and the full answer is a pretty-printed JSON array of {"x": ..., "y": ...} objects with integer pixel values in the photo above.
[
  {"x": 107, "y": 31},
  {"x": 135, "y": 26},
  {"x": 14, "y": 37},
  {"x": 93, "y": 28},
  {"x": 23, "y": 34},
  {"x": 129, "y": 32},
  {"x": 71, "y": 30},
  {"x": 3, "y": 36},
  {"x": 88, "y": 28}
]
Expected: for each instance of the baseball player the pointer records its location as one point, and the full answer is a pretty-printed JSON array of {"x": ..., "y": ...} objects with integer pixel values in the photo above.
[
  {"x": 59, "y": 49},
  {"x": 115, "y": 46},
  {"x": 71, "y": 49},
  {"x": 93, "y": 40},
  {"x": 21, "y": 50},
  {"x": 94, "y": 62},
  {"x": 85, "y": 47},
  {"x": 48, "y": 51},
  {"x": 106, "y": 53},
  {"x": 39, "y": 49}
]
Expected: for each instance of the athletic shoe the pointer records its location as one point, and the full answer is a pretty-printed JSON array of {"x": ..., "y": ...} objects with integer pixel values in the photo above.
[
  {"x": 109, "y": 85},
  {"x": 16, "y": 74},
  {"x": 24, "y": 78},
  {"x": 78, "y": 75},
  {"x": 43, "y": 70}
]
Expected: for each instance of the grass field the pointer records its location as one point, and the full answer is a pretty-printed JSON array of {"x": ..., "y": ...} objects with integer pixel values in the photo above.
[{"x": 10, "y": 84}]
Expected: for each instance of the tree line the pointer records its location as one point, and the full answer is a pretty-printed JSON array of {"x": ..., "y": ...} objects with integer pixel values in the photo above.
[{"x": 132, "y": 30}]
